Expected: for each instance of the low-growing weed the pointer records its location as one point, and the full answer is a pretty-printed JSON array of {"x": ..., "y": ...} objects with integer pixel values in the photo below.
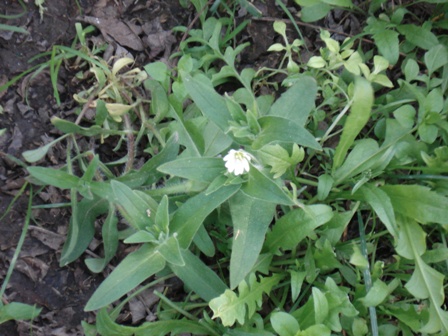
[{"x": 316, "y": 210}]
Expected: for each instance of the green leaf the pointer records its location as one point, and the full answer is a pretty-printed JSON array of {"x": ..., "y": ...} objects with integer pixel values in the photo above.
[
  {"x": 425, "y": 282},
  {"x": 131, "y": 205},
  {"x": 284, "y": 324},
  {"x": 297, "y": 102},
  {"x": 356, "y": 120},
  {"x": 251, "y": 218},
  {"x": 436, "y": 57},
  {"x": 381, "y": 204},
  {"x": 261, "y": 187},
  {"x": 419, "y": 203},
  {"x": 132, "y": 271},
  {"x": 418, "y": 36},
  {"x": 106, "y": 326},
  {"x": 198, "y": 277},
  {"x": 324, "y": 184},
  {"x": 388, "y": 44},
  {"x": 35, "y": 155},
  {"x": 81, "y": 228},
  {"x": 211, "y": 104},
  {"x": 315, "y": 12},
  {"x": 293, "y": 227},
  {"x": 376, "y": 295},
  {"x": 320, "y": 305},
  {"x": 190, "y": 215},
  {"x": 296, "y": 283},
  {"x": 196, "y": 169},
  {"x": 405, "y": 115},
  {"x": 110, "y": 243},
  {"x": 58, "y": 178},
  {"x": 278, "y": 158},
  {"x": 170, "y": 251},
  {"x": 18, "y": 311},
  {"x": 278, "y": 129},
  {"x": 230, "y": 307}
]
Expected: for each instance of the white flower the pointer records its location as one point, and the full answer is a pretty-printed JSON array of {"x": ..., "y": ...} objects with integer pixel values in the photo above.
[{"x": 237, "y": 162}]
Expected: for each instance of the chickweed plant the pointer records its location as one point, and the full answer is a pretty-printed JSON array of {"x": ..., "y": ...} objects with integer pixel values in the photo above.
[{"x": 320, "y": 208}]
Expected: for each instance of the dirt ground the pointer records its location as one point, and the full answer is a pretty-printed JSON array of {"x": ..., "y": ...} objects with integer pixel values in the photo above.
[{"x": 29, "y": 104}]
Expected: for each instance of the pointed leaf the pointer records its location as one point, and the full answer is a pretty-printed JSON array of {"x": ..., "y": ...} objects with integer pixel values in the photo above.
[
  {"x": 189, "y": 217},
  {"x": 297, "y": 102},
  {"x": 278, "y": 129},
  {"x": 356, "y": 120},
  {"x": 293, "y": 227},
  {"x": 418, "y": 202},
  {"x": 251, "y": 218},
  {"x": 198, "y": 169},
  {"x": 132, "y": 271},
  {"x": 198, "y": 277}
]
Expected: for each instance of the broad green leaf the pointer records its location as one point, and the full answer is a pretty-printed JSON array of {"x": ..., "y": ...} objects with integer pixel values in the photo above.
[
  {"x": 106, "y": 326},
  {"x": 296, "y": 283},
  {"x": 132, "y": 271},
  {"x": 425, "y": 282},
  {"x": 190, "y": 215},
  {"x": 356, "y": 120},
  {"x": 170, "y": 251},
  {"x": 284, "y": 324},
  {"x": 54, "y": 177},
  {"x": 261, "y": 187},
  {"x": 293, "y": 227},
  {"x": 418, "y": 202},
  {"x": 251, "y": 218},
  {"x": 198, "y": 277},
  {"x": 157, "y": 70},
  {"x": 230, "y": 307},
  {"x": 405, "y": 115},
  {"x": 131, "y": 205},
  {"x": 109, "y": 233},
  {"x": 315, "y": 12},
  {"x": 436, "y": 57},
  {"x": 365, "y": 158},
  {"x": 381, "y": 204},
  {"x": 197, "y": 169},
  {"x": 411, "y": 239},
  {"x": 278, "y": 129},
  {"x": 297, "y": 102},
  {"x": 69, "y": 127},
  {"x": 211, "y": 104},
  {"x": 320, "y": 305},
  {"x": 18, "y": 311},
  {"x": 215, "y": 140},
  {"x": 324, "y": 185},
  {"x": 376, "y": 295},
  {"x": 418, "y": 36},
  {"x": 162, "y": 219},
  {"x": 204, "y": 242},
  {"x": 82, "y": 227},
  {"x": 388, "y": 44}
]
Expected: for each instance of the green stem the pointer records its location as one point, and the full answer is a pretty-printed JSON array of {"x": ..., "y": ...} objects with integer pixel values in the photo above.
[
  {"x": 366, "y": 273},
  {"x": 19, "y": 246}
]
